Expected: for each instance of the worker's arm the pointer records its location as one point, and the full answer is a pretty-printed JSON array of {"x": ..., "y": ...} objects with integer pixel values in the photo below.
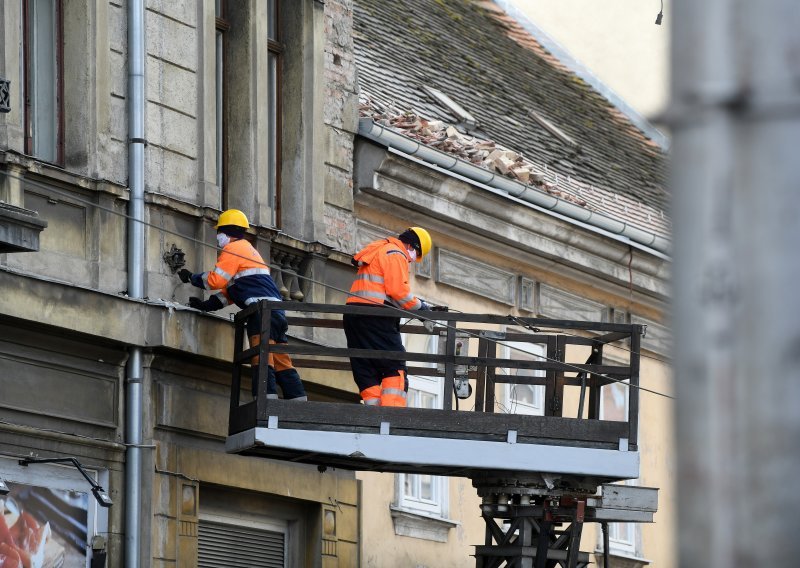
[
  {"x": 395, "y": 280},
  {"x": 227, "y": 265},
  {"x": 214, "y": 303},
  {"x": 199, "y": 280}
]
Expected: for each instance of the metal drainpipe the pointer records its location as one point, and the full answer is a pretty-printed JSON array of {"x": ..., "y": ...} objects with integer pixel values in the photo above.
[{"x": 133, "y": 400}]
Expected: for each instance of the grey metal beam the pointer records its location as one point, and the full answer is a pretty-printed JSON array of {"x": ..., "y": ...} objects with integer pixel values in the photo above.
[{"x": 425, "y": 451}]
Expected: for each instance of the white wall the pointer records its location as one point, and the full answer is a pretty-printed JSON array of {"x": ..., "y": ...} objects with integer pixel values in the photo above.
[{"x": 617, "y": 40}]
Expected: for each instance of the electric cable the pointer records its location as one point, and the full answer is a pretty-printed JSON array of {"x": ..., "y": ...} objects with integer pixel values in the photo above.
[
  {"x": 408, "y": 313},
  {"x": 565, "y": 332}
]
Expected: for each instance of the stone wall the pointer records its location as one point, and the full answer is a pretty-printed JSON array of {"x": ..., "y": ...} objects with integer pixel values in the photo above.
[{"x": 341, "y": 119}]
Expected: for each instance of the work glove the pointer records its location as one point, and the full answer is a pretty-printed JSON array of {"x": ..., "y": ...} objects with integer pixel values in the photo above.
[
  {"x": 184, "y": 275},
  {"x": 210, "y": 305},
  {"x": 425, "y": 306}
]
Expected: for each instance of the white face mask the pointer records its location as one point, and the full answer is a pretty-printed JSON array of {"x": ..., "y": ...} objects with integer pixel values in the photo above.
[
  {"x": 412, "y": 255},
  {"x": 223, "y": 239}
]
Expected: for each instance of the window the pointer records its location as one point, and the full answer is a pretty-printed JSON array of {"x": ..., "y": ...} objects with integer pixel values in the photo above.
[
  {"x": 614, "y": 402},
  {"x": 417, "y": 492},
  {"x": 614, "y": 406},
  {"x": 222, "y": 26},
  {"x": 43, "y": 79},
  {"x": 252, "y": 66},
  {"x": 520, "y": 398},
  {"x": 274, "y": 61},
  {"x": 622, "y": 538}
]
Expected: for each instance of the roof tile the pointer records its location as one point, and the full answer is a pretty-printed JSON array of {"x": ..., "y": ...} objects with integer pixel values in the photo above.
[{"x": 487, "y": 63}]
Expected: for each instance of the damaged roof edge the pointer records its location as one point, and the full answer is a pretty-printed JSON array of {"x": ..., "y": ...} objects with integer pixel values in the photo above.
[
  {"x": 581, "y": 71},
  {"x": 619, "y": 230}
]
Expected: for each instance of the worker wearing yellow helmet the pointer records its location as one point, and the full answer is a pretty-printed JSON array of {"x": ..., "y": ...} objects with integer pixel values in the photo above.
[
  {"x": 242, "y": 278},
  {"x": 382, "y": 278}
]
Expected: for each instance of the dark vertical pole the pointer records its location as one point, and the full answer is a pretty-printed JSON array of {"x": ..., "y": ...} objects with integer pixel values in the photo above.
[
  {"x": 480, "y": 383},
  {"x": 545, "y": 526},
  {"x": 449, "y": 367},
  {"x": 544, "y": 543},
  {"x": 633, "y": 395},
  {"x": 236, "y": 379},
  {"x": 595, "y": 384},
  {"x": 525, "y": 541},
  {"x": 575, "y": 534},
  {"x": 558, "y": 397},
  {"x": 491, "y": 373},
  {"x": 550, "y": 388},
  {"x": 263, "y": 363}
]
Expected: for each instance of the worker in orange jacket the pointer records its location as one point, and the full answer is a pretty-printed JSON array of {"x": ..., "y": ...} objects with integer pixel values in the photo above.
[
  {"x": 382, "y": 278},
  {"x": 242, "y": 278}
]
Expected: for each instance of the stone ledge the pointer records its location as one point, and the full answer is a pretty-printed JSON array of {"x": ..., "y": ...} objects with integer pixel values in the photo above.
[
  {"x": 420, "y": 525},
  {"x": 621, "y": 560},
  {"x": 19, "y": 229}
]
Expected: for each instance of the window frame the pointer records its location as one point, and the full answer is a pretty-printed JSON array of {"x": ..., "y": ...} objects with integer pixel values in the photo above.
[
  {"x": 513, "y": 404},
  {"x": 618, "y": 544},
  {"x": 221, "y": 26},
  {"x": 275, "y": 49},
  {"x": 437, "y": 505},
  {"x": 31, "y": 140}
]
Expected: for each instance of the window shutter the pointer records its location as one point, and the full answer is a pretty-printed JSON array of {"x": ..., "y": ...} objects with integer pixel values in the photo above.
[{"x": 230, "y": 546}]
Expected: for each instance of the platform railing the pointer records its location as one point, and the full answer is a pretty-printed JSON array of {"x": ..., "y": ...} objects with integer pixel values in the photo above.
[{"x": 469, "y": 348}]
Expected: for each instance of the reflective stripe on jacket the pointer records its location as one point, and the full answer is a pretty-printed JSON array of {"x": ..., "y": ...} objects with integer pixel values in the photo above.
[
  {"x": 240, "y": 274},
  {"x": 383, "y": 276}
]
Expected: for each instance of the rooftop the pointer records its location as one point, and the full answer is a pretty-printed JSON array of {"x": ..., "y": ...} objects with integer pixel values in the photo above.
[{"x": 468, "y": 65}]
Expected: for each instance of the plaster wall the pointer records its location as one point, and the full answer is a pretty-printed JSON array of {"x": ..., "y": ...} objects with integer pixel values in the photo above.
[{"x": 617, "y": 40}]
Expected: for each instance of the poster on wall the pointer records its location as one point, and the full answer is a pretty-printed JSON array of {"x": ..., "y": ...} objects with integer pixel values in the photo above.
[{"x": 42, "y": 527}]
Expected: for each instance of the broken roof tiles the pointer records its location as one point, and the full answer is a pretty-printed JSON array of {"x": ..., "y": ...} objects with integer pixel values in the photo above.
[
  {"x": 498, "y": 159},
  {"x": 537, "y": 122}
]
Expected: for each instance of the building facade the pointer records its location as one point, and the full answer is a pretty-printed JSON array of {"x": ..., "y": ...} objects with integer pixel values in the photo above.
[{"x": 289, "y": 112}]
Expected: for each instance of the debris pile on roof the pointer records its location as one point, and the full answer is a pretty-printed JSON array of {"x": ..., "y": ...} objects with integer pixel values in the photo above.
[{"x": 483, "y": 153}]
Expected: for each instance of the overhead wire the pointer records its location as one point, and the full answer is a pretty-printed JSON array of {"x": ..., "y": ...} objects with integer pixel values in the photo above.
[
  {"x": 565, "y": 332},
  {"x": 408, "y": 313}
]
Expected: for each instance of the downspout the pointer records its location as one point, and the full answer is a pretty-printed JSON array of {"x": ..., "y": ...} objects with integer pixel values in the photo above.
[{"x": 134, "y": 375}]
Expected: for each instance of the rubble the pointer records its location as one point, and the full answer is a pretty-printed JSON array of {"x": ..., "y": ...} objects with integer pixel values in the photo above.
[{"x": 447, "y": 138}]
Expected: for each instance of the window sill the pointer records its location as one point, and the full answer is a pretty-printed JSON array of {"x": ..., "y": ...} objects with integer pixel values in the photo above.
[
  {"x": 621, "y": 559},
  {"x": 425, "y": 526}
]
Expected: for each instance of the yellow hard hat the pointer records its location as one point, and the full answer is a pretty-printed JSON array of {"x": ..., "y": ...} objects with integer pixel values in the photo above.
[
  {"x": 425, "y": 241},
  {"x": 232, "y": 217}
]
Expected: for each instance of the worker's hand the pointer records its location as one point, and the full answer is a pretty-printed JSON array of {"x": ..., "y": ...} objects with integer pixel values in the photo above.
[
  {"x": 184, "y": 275},
  {"x": 425, "y": 306},
  {"x": 197, "y": 303}
]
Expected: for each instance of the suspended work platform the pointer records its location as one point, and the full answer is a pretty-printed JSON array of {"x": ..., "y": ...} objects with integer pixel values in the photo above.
[
  {"x": 566, "y": 361},
  {"x": 540, "y": 477}
]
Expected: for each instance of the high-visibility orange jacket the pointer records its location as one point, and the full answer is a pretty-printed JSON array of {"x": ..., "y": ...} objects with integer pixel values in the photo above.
[
  {"x": 241, "y": 276},
  {"x": 383, "y": 275}
]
